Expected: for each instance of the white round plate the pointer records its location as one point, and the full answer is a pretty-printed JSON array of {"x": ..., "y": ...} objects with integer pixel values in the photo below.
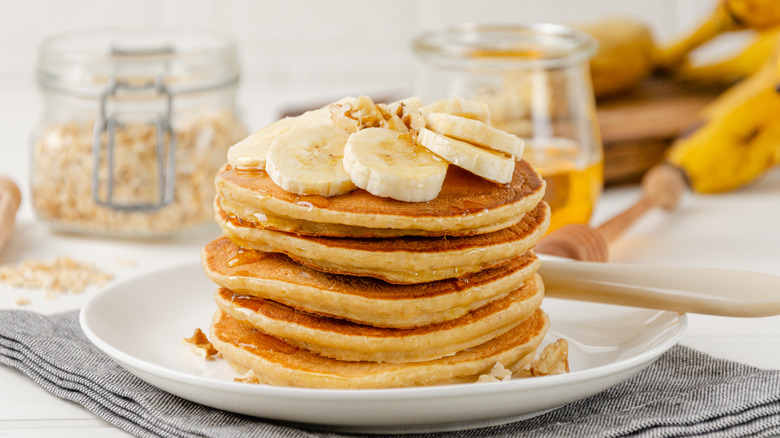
[{"x": 140, "y": 324}]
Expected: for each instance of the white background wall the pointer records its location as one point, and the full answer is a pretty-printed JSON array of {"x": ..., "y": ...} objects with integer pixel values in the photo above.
[{"x": 296, "y": 51}]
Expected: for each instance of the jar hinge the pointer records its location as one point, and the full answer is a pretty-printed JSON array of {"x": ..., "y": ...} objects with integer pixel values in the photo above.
[{"x": 166, "y": 165}]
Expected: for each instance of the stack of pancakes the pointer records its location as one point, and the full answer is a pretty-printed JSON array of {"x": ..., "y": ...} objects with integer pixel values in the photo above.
[{"x": 360, "y": 291}]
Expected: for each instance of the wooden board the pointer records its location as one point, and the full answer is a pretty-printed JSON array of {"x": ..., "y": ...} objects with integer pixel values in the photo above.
[{"x": 638, "y": 127}]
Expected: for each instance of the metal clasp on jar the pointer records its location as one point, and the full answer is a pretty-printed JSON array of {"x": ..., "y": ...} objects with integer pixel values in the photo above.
[{"x": 166, "y": 162}]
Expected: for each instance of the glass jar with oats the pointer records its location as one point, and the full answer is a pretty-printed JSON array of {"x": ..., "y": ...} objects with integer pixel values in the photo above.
[
  {"x": 135, "y": 124},
  {"x": 535, "y": 80}
]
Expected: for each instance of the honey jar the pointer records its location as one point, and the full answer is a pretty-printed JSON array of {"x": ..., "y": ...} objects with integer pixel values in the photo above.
[
  {"x": 536, "y": 82},
  {"x": 135, "y": 123}
]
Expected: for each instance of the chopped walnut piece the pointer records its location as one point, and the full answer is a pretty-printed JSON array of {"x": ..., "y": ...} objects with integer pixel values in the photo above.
[
  {"x": 248, "y": 377},
  {"x": 497, "y": 374},
  {"x": 554, "y": 359},
  {"x": 362, "y": 112},
  {"x": 201, "y": 345}
]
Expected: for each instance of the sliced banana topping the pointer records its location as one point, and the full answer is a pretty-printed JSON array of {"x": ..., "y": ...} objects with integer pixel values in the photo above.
[
  {"x": 410, "y": 102},
  {"x": 470, "y": 109},
  {"x": 475, "y": 132},
  {"x": 387, "y": 163},
  {"x": 399, "y": 150},
  {"x": 491, "y": 165},
  {"x": 307, "y": 160},
  {"x": 251, "y": 152}
]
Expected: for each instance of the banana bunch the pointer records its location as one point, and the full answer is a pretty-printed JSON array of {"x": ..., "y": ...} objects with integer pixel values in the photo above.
[
  {"x": 730, "y": 70},
  {"x": 728, "y": 16},
  {"x": 627, "y": 54},
  {"x": 400, "y": 150},
  {"x": 739, "y": 139}
]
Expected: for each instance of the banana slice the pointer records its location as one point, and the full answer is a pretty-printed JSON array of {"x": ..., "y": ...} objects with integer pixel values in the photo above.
[
  {"x": 488, "y": 164},
  {"x": 475, "y": 132},
  {"x": 386, "y": 163},
  {"x": 251, "y": 152},
  {"x": 306, "y": 160},
  {"x": 413, "y": 102},
  {"x": 470, "y": 109},
  {"x": 408, "y": 110}
]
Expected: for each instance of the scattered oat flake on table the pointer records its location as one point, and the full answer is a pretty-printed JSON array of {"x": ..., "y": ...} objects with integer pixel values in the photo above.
[
  {"x": 125, "y": 261},
  {"x": 59, "y": 276},
  {"x": 22, "y": 301}
]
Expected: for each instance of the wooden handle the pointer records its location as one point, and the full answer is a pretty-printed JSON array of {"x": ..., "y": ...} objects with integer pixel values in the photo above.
[
  {"x": 682, "y": 289},
  {"x": 662, "y": 186},
  {"x": 575, "y": 241},
  {"x": 10, "y": 199}
]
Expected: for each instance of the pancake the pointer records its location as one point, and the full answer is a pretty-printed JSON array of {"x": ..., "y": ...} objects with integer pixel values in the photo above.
[
  {"x": 466, "y": 205},
  {"x": 344, "y": 340},
  {"x": 401, "y": 260},
  {"x": 264, "y": 219},
  {"x": 360, "y": 299},
  {"x": 277, "y": 362}
]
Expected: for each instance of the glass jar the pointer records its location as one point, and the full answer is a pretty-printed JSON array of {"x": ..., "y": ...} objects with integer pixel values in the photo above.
[
  {"x": 135, "y": 124},
  {"x": 536, "y": 81}
]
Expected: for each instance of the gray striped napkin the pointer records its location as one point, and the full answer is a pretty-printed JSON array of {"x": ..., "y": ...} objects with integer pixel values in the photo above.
[{"x": 684, "y": 393}]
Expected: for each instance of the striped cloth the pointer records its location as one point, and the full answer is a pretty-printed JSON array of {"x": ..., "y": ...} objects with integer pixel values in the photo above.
[{"x": 684, "y": 393}]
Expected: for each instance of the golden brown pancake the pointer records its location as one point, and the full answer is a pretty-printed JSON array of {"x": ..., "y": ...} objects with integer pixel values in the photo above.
[
  {"x": 262, "y": 219},
  {"x": 398, "y": 260},
  {"x": 363, "y": 300},
  {"x": 344, "y": 340},
  {"x": 277, "y": 362},
  {"x": 466, "y": 205}
]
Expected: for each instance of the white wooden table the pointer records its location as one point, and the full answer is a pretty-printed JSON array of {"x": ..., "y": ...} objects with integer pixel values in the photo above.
[{"x": 738, "y": 230}]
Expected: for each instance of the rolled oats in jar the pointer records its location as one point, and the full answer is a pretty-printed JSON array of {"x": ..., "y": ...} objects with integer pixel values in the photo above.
[{"x": 134, "y": 127}]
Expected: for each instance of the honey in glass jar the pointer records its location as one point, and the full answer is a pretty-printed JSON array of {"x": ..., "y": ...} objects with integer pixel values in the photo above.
[{"x": 536, "y": 81}]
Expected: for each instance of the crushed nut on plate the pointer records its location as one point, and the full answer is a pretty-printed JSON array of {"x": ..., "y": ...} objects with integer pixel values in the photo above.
[{"x": 201, "y": 345}]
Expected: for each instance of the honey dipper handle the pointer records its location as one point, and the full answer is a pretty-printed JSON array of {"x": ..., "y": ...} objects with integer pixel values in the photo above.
[
  {"x": 575, "y": 241},
  {"x": 10, "y": 198},
  {"x": 614, "y": 228},
  {"x": 682, "y": 289},
  {"x": 662, "y": 186}
]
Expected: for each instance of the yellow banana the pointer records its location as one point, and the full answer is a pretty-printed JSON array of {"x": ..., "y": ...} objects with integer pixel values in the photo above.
[
  {"x": 627, "y": 54},
  {"x": 740, "y": 139},
  {"x": 730, "y": 70},
  {"x": 728, "y": 16}
]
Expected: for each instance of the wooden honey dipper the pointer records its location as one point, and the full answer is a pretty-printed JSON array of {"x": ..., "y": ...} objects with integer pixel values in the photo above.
[
  {"x": 662, "y": 186},
  {"x": 10, "y": 198}
]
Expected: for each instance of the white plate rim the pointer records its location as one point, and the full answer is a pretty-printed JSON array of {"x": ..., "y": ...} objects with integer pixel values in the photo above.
[{"x": 357, "y": 395}]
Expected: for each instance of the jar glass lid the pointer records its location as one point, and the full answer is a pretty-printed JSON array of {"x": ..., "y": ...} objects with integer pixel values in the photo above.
[
  {"x": 184, "y": 60},
  {"x": 546, "y": 45}
]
